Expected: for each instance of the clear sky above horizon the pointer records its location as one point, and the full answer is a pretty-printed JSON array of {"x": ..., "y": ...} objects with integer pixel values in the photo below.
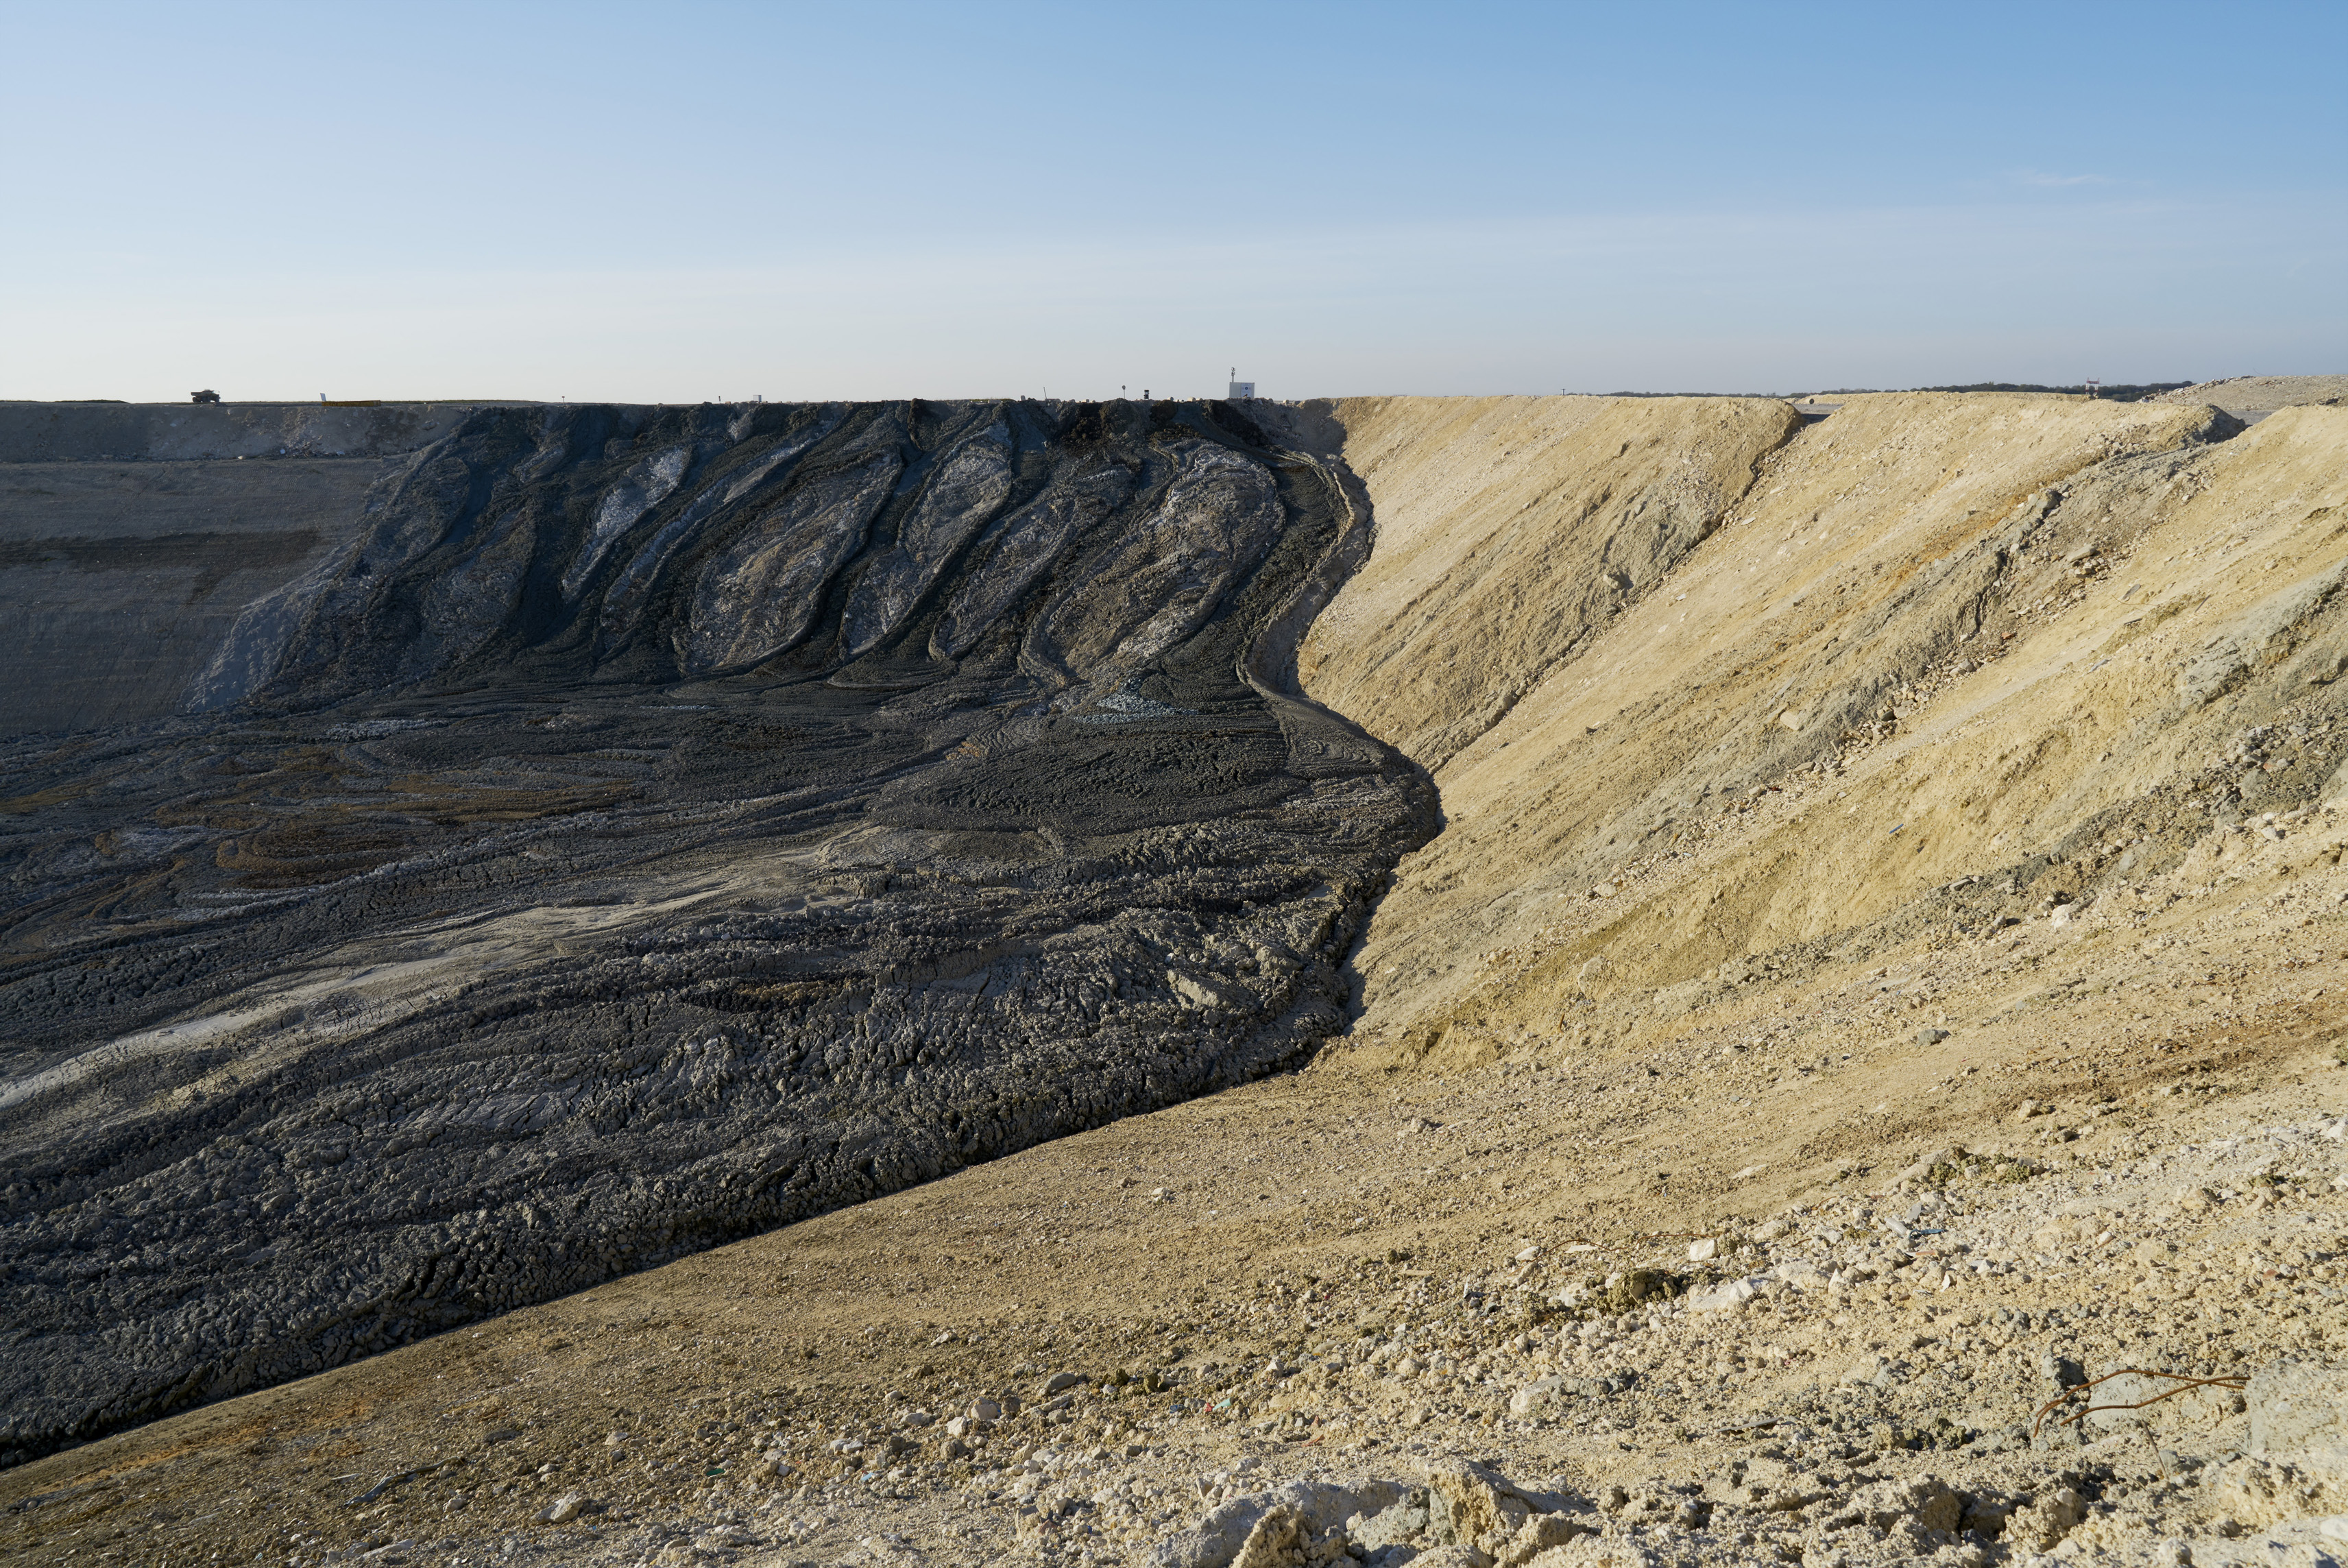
[{"x": 719, "y": 201}]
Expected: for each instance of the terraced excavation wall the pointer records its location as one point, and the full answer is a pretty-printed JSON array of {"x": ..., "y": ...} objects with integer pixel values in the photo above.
[
  {"x": 118, "y": 580},
  {"x": 132, "y": 535}
]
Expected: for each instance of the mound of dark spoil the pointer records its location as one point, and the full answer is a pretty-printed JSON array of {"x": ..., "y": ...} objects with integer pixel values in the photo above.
[{"x": 655, "y": 825}]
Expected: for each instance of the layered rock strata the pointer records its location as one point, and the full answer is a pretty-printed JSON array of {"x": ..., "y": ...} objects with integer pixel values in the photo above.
[{"x": 651, "y": 826}]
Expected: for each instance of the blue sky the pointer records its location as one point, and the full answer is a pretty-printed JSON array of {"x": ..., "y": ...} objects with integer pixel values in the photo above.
[{"x": 704, "y": 200}]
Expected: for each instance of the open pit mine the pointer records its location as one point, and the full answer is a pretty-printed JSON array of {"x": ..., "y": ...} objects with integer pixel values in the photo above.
[
  {"x": 1544, "y": 981},
  {"x": 639, "y": 828}
]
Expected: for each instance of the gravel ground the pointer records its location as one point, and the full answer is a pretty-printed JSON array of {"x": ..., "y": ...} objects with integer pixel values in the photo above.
[
  {"x": 2254, "y": 397},
  {"x": 1371, "y": 1284}
]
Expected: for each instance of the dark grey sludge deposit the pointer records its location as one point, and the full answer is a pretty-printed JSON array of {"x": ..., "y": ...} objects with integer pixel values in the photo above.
[{"x": 649, "y": 826}]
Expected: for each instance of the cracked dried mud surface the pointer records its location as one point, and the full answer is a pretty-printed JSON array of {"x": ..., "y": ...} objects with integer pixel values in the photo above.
[{"x": 1879, "y": 967}]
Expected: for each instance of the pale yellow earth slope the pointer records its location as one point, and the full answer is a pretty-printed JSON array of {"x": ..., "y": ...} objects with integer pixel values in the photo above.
[
  {"x": 1510, "y": 529},
  {"x": 1901, "y": 600}
]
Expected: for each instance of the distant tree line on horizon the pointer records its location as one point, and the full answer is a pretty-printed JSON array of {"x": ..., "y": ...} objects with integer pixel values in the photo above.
[
  {"x": 2117, "y": 393},
  {"x": 2126, "y": 393}
]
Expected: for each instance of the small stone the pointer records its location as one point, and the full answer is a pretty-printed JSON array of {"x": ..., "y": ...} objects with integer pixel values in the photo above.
[
  {"x": 1199, "y": 994},
  {"x": 1060, "y": 1382},
  {"x": 2042, "y": 1525},
  {"x": 1940, "y": 1168},
  {"x": 955, "y": 1449},
  {"x": 2061, "y": 1371},
  {"x": 1276, "y": 1542},
  {"x": 983, "y": 1411},
  {"x": 1727, "y": 1296},
  {"x": 2299, "y": 1408},
  {"x": 1399, "y": 1523},
  {"x": 1801, "y": 1273},
  {"x": 1455, "y": 1555},
  {"x": 1473, "y": 1504},
  {"x": 2134, "y": 1388},
  {"x": 1930, "y": 1036},
  {"x": 1535, "y": 1396},
  {"x": 1704, "y": 1250},
  {"x": 570, "y": 1506},
  {"x": 1541, "y": 1534}
]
